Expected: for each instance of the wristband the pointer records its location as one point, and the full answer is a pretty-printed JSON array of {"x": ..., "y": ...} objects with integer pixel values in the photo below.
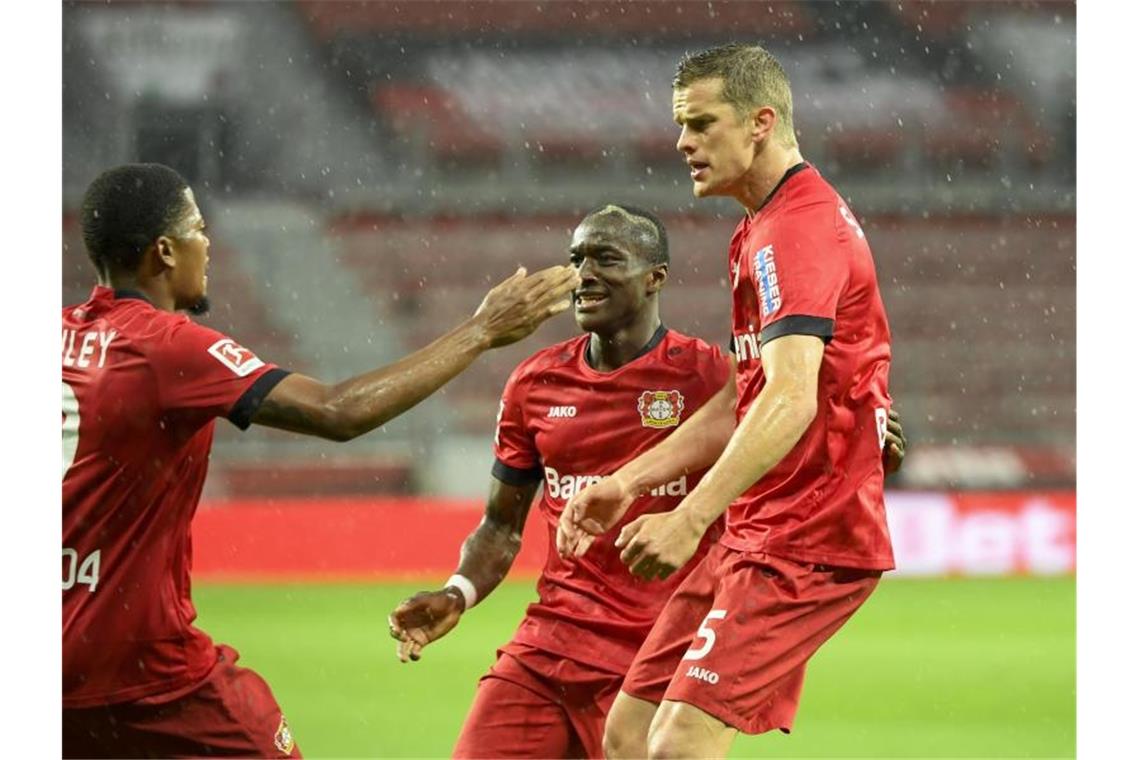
[{"x": 465, "y": 587}]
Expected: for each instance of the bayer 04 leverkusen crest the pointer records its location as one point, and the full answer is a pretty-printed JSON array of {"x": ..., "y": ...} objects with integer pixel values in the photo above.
[{"x": 660, "y": 409}]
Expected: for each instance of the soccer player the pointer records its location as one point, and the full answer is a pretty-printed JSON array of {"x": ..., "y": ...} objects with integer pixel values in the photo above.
[
  {"x": 142, "y": 386},
  {"x": 570, "y": 414},
  {"x": 806, "y": 539}
]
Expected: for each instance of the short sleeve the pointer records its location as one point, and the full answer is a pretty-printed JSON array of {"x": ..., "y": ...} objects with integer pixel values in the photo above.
[
  {"x": 516, "y": 457},
  {"x": 800, "y": 277},
  {"x": 203, "y": 373}
]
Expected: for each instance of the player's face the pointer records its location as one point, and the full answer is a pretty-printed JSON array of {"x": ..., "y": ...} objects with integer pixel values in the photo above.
[
  {"x": 614, "y": 289},
  {"x": 717, "y": 144},
  {"x": 190, "y": 248}
]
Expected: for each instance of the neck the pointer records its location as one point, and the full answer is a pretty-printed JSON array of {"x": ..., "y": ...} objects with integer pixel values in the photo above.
[
  {"x": 609, "y": 351},
  {"x": 765, "y": 173},
  {"x": 152, "y": 288}
]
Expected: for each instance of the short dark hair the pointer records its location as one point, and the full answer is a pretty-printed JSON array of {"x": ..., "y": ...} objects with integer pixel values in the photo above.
[
  {"x": 655, "y": 241},
  {"x": 126, "y": 209},
  {"x": 752, "y": 77}
]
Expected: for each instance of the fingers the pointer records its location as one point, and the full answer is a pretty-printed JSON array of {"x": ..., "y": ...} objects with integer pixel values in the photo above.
[
  {"x": 564, "y": 538},
  {"x": 411, "y": 645},
  {"x": 634, "y": 547},
  {"x": 558, "y": 308},
  {"x": 895, "y": 428},
  {"x": 583, "y": 545},
  {"x": 395, "y": 629},
  {"x": 568, "y": 533},
  {"x": 645, "y": 568},
  {"x": 553, "y": 283},
  {"x": 630, "y": 531}
]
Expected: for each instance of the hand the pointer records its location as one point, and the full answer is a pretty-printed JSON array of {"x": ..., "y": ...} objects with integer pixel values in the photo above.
[
  {"x": 515, "y": 307},
  {"x": 894, "y": 448},
  {"x": 591, "y": 512},
  {"x": 656, "y": 545},
  {"x": 421, "y": 619}
]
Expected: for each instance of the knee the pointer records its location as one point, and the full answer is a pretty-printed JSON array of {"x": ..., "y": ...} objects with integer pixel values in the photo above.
[
  {"x": 665, "y": 744},
  {"x": 621, "y": 739}
]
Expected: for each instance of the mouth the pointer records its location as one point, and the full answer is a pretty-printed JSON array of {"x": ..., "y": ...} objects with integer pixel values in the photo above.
[
  {"x": 698, "y": 170},
  {"x": 585, "y": 302}
]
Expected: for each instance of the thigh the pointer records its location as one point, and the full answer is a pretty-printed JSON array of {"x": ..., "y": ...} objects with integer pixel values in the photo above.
[
  {"x": 657, "y": 659},
  {"x": 231, "y": 714},
  {"x": 587, "y": 696},
  {"x": 515, "y": 715},
  {"x": 769, "y": 615}
]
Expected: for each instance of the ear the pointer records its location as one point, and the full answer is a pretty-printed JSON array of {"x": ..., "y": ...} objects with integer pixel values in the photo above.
[
  {"x": 763, "y": 123},
  {"x": 655, "y": 278},
  {"x": 164, "y": 252}
]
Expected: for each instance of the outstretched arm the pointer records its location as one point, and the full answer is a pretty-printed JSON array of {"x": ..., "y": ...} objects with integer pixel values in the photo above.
[
  {"x": 694, "y": 445},
  {"x": 512, "y": 310},
  {"x": 484, "y": 561}
]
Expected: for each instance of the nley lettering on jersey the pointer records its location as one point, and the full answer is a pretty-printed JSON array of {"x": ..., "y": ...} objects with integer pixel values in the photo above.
[{"x": 79, "y": 348}]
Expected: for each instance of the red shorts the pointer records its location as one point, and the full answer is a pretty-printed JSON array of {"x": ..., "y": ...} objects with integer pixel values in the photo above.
[
  {"x": 231, "y": 712},
  {"x": 757, "y": 619},
  {"x": 534, "y": 704}
]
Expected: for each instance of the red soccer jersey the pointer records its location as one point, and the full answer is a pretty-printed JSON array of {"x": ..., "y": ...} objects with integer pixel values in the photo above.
[
  {"x": 141, "y": 389},
  {"x": 801, "y": 265},
  {"x": 567, "y": 424}
]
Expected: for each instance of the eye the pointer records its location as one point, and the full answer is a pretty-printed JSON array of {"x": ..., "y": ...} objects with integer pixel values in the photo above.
[{"x": 575, "y": 259}]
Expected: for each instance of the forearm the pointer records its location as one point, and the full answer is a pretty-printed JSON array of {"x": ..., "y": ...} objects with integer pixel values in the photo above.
[
  {"x": 694, "y": 445},
  {"x": 488, "y": 553},
  {"x": 360, "y": 404},
  {"x": 771, "y": 428}
]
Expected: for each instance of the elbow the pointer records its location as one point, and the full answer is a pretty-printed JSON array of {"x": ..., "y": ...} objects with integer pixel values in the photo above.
[{"x": 338, "y": 425}]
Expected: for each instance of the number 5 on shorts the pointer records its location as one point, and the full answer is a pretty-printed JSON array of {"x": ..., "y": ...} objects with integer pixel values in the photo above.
[{"x": 707, "y": 634}]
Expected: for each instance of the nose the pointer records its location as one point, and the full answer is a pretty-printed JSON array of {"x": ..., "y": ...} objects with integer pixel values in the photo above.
[
  {"x": 685, "y": 141},
  {"x": 586, "y": 269}
]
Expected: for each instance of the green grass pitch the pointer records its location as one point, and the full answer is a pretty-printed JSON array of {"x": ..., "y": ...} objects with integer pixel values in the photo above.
[{"x": 928, "y": 668}]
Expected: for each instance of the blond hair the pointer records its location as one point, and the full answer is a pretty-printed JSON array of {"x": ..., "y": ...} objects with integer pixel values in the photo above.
[{"x": 752, "y": 78}]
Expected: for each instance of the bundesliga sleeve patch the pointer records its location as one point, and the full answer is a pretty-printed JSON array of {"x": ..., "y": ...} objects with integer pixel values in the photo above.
[
  {"x": 283, "y": 739},
  {"x": 767, "y": 283},
  {"x": 240, "y": 361},
  {"x": 660, "y": 409}
]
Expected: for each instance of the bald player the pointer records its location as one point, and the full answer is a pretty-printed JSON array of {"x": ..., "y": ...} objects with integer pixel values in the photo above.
[{"x": 570, "y": 415}]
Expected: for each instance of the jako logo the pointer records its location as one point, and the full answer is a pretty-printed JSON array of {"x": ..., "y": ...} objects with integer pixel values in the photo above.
[
  {"x": 565, "y": 486},
  {"x": 695, "y": 671},
  {"x": 562, "y": 411}
]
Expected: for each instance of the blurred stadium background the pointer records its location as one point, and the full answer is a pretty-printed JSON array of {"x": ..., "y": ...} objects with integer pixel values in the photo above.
[{"x": 368, "y": 170}]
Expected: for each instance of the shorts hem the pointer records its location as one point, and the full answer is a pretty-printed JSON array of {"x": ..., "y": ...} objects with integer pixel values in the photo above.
[{"x": 731, "y": 719}]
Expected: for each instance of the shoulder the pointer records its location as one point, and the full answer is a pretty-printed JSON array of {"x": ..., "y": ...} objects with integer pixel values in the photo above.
[
  {"x": 677, "y": 342},
  {"x": 811, "y": 195},
  {"x": 560, "y": 354},
  {"x": 708, "y": 361}
]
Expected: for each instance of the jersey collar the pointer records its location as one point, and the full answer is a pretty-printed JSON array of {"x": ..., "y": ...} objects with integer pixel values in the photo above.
[
  {"x": 793, "y": 171},
  {"x": 130, "y": 293}
]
